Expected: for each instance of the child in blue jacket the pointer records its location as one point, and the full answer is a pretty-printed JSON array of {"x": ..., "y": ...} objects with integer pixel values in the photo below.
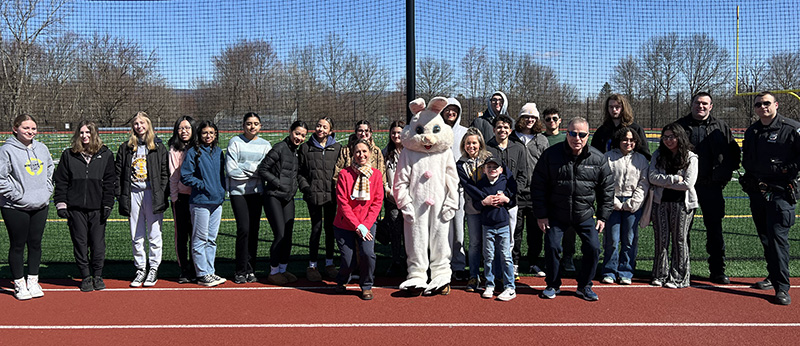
[{"x": 498, "y": 192}]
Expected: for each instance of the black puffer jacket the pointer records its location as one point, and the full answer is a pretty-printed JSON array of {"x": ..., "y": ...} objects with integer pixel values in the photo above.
[
  {"x": 279, "y": 170},
  {"x": 157, "y": 173},
  {"x": 315, "y": 175},
  {"x": 85, "y": 186},
  {"x": 565, "y": 187},
  {"x": 535, "y": 148}
]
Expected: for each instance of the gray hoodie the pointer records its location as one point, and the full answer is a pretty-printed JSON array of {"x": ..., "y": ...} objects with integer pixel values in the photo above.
[{"x": 26, "y": 175}]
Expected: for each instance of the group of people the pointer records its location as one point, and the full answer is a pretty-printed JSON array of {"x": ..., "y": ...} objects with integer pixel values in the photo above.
[{"x": 513, "y": 173}]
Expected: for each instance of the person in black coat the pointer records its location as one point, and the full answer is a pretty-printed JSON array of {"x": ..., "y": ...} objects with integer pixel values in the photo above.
[
  {"x": 142, "y": 166},
  {"x": 84, "y": 195},
  {"x": 317, "y": 160},
  {"x": 279, "y": 171},
  {"x": 568, "y": 180}
]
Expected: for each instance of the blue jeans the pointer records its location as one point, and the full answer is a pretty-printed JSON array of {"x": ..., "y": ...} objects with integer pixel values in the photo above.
[
  {"x": 205, "y": 219},
  {"x": 500, "y": 238},
  {"x": 475, "y": 244},
  {"x": 622, "y": 226}
]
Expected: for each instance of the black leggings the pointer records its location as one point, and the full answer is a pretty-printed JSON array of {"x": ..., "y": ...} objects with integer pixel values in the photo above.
[
  {"x": 25, "y": 227},
  {"x": 321, "y": 218},
  {"x": 247, "y": 211},
  {"x": 281, "y": 219},
  {"x": 183, "y": 234}
]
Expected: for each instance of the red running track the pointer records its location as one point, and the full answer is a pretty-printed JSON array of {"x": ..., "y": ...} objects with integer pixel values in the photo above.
[{"x": 312, "y": 314}]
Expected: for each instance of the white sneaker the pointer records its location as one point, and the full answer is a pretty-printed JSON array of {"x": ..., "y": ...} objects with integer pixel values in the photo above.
[
  {"x": 670, "y": 285},
  {"x": 21, "y": 290},
  {"x": 625, "y": 281},
  {"x": 488, "y": 292},
  {"x": 33, "y": 286},
  {"x": 139, "y": 279},
  {"x": 538, "y": 272},
  {"x": 607, "y": 280},
  {"x": 508, "y": 294},
  {"x": 219, "y": 279}
]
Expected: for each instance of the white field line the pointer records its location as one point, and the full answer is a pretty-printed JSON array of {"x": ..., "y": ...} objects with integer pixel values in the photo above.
[{"x": 393, "y": 325}]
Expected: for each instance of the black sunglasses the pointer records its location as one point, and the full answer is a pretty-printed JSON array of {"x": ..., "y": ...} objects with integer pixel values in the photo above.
[
  {"x": 765, "y": 104},
  {"x": 577, "y": 134}
]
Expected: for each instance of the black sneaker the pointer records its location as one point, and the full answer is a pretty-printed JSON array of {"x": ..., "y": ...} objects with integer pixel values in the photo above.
[
  {"x": 721, "y": 279},
  {"x": 586, "y": 293},
  {"x": 209, "y": 280},
  {"x": 99, "y": 284},
  {"x": 239, "y": 278},
  {"x": 251, "y": 277},
  {"x": 87, "y": 285},
  {"x": 763, "y": 285},
  {"x": 783, "y": 298},
  {"x": 184, "y": 280}
]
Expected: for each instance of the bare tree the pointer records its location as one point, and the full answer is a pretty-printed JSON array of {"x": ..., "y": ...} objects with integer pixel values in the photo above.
[
  {"x": 25, "y": 21},
  {"x": 534, "y": 83},
  {"x": 245, "y": 76},
  {"x": 473, "y": 66},
  {"x": 369, "y": 81},
  {"x": 784, "y": 70},
  {"x": 627, "y": 77},
  {"x": 661, "y": 59},
  {"x": 333, "y": 62},
  {"x": 112, "y": 72},
  {"x": 301, "y": 71},
  {"x": 705, "y": 64},
  {"x": 502, "y": 73},
  {"x": 54, "y": 73},
  {"x": 435, "y": 77}
]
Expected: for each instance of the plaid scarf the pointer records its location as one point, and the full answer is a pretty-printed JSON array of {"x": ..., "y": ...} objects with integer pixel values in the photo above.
[{"x": 361, "y": 187}]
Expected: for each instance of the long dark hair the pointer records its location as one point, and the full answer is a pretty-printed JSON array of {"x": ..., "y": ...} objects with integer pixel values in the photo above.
[
  {"x": 175, "y": 141},
  {"x": 391, "y": 151},
  {"x": 203, "y": 124},
  {"x": 680, "y": 160}
]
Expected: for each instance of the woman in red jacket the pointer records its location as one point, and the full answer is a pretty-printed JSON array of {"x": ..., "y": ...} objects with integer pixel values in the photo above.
[{"x": 359, "y": 196}]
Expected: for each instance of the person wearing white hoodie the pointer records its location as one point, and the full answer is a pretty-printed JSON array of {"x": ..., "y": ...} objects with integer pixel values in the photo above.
[
  {"x": 497, "y": 106},
  {"x": 458, "y": 263},
  {"x": 26, "y": 184}
]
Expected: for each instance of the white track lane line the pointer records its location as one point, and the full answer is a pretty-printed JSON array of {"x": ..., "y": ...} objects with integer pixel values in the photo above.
[{"x": 392, "y": 325}]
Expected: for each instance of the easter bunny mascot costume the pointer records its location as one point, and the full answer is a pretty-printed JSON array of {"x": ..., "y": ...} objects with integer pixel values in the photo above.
[{"x": 426, "y": 191}]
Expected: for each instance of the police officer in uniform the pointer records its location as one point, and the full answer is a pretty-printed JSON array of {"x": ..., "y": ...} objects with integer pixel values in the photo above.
[
  {"x": 718, "y": 155},
  {"x": 771, "y": 150}
]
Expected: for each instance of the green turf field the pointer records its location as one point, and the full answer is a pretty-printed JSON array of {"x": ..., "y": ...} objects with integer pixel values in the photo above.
[{"x": 744, "y": 252}]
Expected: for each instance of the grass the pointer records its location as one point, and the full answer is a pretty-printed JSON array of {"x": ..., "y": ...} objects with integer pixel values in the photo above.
[{"x": 744, "y": 251}]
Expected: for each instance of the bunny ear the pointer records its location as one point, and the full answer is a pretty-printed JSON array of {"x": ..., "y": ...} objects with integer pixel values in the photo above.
[
  {"x": 416, "y": 106},
  {"x": 437, "y": 104}
]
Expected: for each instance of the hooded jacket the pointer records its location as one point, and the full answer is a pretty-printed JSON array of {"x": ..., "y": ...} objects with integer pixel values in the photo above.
[
  {"x": 26, "y": 175},
  {"x": 535, "y": 147},
  {"x": 157, "y": 175},
  {"x": 458, "y": 130},
  {"x": 87, "y": 186},
  {"x": 317, "y": 165},
  {"x": 484, "y": 122}
]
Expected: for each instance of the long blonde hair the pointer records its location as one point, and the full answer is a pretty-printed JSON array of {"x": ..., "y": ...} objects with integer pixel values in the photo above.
[{"x": 149, "y": 136}]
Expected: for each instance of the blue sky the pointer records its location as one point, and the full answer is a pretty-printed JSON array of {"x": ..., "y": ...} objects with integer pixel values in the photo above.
[{"x": 581, "y": 40}]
